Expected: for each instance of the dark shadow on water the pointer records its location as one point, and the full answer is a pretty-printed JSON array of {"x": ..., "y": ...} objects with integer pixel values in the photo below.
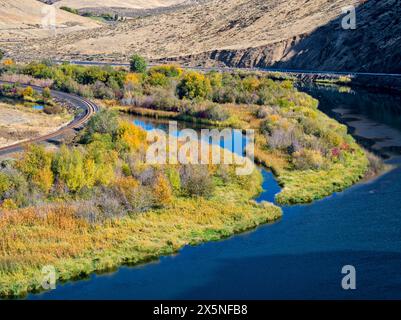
[
  {"x": 373, "y": 117},
  {"x": 315, "y": 275},
  {"x": 307, "y": 276}
]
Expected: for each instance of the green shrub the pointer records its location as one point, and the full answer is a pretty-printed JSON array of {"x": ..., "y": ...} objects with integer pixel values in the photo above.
[
  {"x": 101, "y": 91},
  {"x": 46, "y": 94},
  {"x": 173, "y": 176},
  {"x": 5, "y": 184},
  {"x": 138, "y": 64},
  {"x": 70, "y": 10},
  {"x": 224, "y": 95},
  {"x": 287, "y": 84},
  {"x": 103, "y": 122},
  {"x": 17, "y": 187},
  {"x": 126, "y": 170}
]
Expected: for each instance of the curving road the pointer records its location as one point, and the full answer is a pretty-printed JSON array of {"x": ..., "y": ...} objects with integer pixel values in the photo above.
[{"x": 88, "y": 109}]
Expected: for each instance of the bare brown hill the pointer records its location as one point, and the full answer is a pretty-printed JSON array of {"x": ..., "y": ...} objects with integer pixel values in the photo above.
[
  {"x": 26, "y": 19},
  {"x": 245, "y": 33}
]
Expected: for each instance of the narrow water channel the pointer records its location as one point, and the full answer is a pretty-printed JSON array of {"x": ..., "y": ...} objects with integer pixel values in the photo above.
[{"x": 301, "y": 256}]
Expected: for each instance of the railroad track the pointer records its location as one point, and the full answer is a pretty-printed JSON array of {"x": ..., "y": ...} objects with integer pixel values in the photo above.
[{"x": 88, "y": 110}]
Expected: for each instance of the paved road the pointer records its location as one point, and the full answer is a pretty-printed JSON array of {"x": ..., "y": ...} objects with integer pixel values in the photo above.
[
  {"x": 290, "y": 71},
  {"x": 88, "y": 109}
]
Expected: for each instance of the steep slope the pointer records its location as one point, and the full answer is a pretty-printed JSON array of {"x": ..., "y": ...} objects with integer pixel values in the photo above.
[
  {"x": 24, "y": 18},
  {"x": 210, "y": 25},
  {"x": 246, "y": 33},
  {"x": 374, "y": 46}
]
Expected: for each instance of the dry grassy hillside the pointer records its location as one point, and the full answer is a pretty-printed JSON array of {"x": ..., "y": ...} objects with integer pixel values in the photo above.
[
  {"x": 23, "y": 19},
  {"x": 230, "y": 24},
  {"x": 243, "y": 33}
]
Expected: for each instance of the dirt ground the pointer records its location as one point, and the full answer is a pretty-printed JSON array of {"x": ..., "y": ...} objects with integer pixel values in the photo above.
[{"x": 19, "y": 123}]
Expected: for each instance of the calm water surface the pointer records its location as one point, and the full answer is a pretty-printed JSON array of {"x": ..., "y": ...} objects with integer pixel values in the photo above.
[{"x": 302, "y": 255}]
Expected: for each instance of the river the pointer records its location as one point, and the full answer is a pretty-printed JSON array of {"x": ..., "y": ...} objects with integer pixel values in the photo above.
[{"x": 302, "y": 255}]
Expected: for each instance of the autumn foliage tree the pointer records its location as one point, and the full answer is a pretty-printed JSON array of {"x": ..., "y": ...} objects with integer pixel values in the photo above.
[
  {"x": 129, "y": 137},
  {"x": 5, "y": 184},
  {"x": 194, "y": 85},
  {"x": 169, "y": 70},
  {"x": 28, "y": 92},
  {"x": 70, "y": 169},
  {"x": 162, "y": 190},
  {"x": 35, "y": 164}
]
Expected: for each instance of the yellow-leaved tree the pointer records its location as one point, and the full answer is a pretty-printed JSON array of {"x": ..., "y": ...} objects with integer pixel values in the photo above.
[
  {"x": 35, "y": 164},
  {"x": 70, "y": 169},
  {"x": 130, "y": 137},
  {"x": 162, "y": 190}
]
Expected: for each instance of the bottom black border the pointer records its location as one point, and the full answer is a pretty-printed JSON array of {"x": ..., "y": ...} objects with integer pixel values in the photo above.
[{"x": 199, "y": 309}]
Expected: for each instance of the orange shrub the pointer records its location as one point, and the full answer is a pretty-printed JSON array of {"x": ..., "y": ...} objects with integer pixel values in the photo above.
[
  {"x": 274, "y": 118},
  {"x": 162, "y": 190},
  {"x": 8, "y": 62}
]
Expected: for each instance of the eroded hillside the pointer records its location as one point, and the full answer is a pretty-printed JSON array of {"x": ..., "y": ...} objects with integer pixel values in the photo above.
[{"x": 245, "y": 33}]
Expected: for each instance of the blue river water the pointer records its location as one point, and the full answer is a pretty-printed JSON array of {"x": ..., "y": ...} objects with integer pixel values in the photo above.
[{"x": 302, "y": 255}]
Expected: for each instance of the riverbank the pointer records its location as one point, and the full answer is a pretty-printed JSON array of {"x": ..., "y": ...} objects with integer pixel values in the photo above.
[{"x": 299, "y": 185}]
